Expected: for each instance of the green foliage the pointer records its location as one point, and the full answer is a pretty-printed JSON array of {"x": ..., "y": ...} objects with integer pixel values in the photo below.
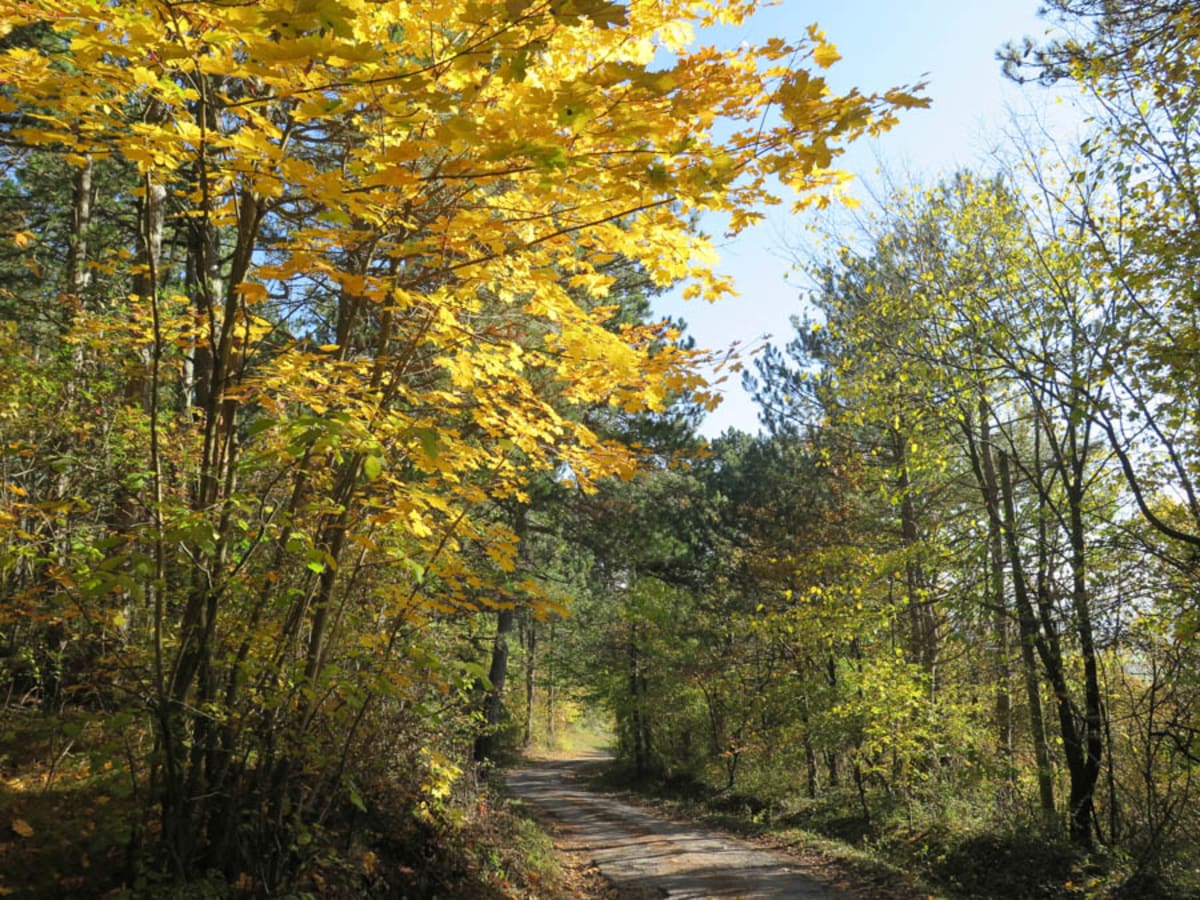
[{"x": 871, "y": 632}]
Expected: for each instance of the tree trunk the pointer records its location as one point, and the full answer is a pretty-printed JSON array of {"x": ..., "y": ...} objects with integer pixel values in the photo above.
[
  {"x": 530, "y": 673},
  {"x": 146, "y": 277},
  {"x": 986, "y": 470},
  {"x": 1027, "y": 623},
  {"x": 205, "y": 285},
  {"x": 638, "y": 729},
  {"x": 493, "y": 700},
  {"x": 1083, "y": 782},
  {"x": 551, "y": 696},
  {"x": 831, "y": 756},
  {"x": 1050, "y": 650},
  {"x": 79, "y": 276},
  {"x": 485, "y": 744},
  {"x": 922, "y": 617}
]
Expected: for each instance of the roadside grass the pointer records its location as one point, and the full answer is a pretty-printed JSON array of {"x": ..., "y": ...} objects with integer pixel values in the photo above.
[
  {"x": 499, "y": 853},
  {"x": 479, "y": 846},
  {"x": 536, "y": 863},
  {"x": 842, "y": 864},
  {"x": 899, "y": 852}
]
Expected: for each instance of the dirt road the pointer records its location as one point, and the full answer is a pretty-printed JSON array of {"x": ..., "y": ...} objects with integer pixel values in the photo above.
[{"x": 645, "y": 855}]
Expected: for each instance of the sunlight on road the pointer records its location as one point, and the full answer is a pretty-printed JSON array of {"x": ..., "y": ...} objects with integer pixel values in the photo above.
[{"x": 641, "y": 851}]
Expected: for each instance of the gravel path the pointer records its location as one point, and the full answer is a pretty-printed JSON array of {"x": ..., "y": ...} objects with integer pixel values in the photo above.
[{"x": 645, "y": 855}]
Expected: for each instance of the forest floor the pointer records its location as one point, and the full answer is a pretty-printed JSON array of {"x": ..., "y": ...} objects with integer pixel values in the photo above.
[{"x": 641, "y": 852}]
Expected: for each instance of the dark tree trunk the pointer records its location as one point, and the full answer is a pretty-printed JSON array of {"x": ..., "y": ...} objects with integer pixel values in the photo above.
[
  {"x": 530, "y": 633},
  {"x": 1027, "y": 623},
  {"x": 1091, "y": 749},
  {"x": 493, "y": 699},
  {"x": 638, "y": 726},
  {"x": 983, "y": 462},
  {"x": 922, "y": 616}
]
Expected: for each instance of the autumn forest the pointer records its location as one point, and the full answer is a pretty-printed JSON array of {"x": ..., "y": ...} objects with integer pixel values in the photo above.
[{"x": 343, "y": 458}]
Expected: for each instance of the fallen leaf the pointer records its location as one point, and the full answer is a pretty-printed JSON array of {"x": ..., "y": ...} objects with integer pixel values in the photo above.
[{"x": 22, "y": 828}]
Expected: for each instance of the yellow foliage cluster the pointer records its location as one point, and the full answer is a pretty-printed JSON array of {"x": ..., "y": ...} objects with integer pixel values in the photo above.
[{"x": 458, "y": 174}]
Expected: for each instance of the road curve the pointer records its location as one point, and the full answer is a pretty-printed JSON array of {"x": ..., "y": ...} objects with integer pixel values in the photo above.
[{"x": 641, "y": 852}]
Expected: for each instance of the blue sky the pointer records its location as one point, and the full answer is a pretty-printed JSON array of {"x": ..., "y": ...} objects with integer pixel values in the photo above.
[{"x": 951, "y": 44}]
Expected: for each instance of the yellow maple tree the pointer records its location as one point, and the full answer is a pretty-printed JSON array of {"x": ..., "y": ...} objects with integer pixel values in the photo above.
[{"x": 400, "y": 222}]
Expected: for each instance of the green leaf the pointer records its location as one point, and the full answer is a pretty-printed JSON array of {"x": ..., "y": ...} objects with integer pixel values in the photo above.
[
  {"x": 356, "y": 799},
  {"x": 428, "y": 438},
  {"x": 372, "y": 467},
  {"x": 602, "y": 13}
]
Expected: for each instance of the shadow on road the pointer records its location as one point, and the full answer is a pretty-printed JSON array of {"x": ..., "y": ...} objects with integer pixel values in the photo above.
[{"x": 638, "y": 850}]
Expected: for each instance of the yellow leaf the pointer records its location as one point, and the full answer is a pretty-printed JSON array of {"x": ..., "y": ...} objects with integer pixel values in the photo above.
[
  {"x": 825, "y": 55},
  {"x": 22, "y": 828},
  {"x": 252, "y": 291}
]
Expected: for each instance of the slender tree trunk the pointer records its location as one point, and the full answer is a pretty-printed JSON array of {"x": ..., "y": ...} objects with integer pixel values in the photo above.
[
  {"x": 986, "y": 469},
  {"x": 79, "y": 276},
  {"x": 551, "y": 696},
  {"x": 152, "y": 218},
  {"x": 637, "y": 726},
  {"x": 530, "y": 631},
  {"x": 1050, "y": 650},
  {"x": 639, "y": 749},
  {"x": 1083, "y": 782},
  {"x": 921, "y": 614},
  {"x": 1002, "y": 652},
  {"x": 647, "y": 741},
  {"x": 831, "y": 756},
  {"x": 811, "y": 776},
  {"x": 205, "y": 284},
  {"x": 1027, "y": 623}
]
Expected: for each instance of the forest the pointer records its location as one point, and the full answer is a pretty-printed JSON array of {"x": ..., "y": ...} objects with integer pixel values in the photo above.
[{"x": 343, "y": 457}]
